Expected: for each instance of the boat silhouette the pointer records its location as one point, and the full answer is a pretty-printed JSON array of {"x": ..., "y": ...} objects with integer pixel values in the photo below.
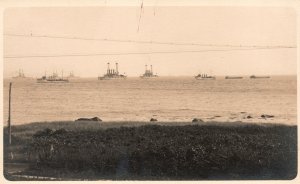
[
  {"x": 54, "y": 78},
  {"x": 148, "y": 73},
  {"x": 205, "y": 77},
  {"x": 112, "y": 74}
]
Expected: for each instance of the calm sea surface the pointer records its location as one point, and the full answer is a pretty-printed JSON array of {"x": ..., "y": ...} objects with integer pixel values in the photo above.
[{"x": 165, "y": 98}]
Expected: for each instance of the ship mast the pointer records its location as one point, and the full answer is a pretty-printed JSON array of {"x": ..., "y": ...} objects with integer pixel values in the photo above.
[
  {"x": 108, "y": 68},
  {"x": 117, "y": 71}
]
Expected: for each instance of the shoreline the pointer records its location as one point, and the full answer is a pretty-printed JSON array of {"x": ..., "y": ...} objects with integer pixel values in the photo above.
[
  {"x": 118, "y": 124},
  {"x": 218, "y": 121}
]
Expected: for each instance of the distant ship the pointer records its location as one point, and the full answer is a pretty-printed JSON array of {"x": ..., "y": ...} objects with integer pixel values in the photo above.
[
  {"x": 205, "y": 77},
  {"x": 54, "y": 78},
  {"x": 112, "y": 74},
  {"x": 233, "y": 77},
  {"x": 259, "y": 77},
  {"x": 20, "y": 75},
  {"x": 148, "y": 73},
  {"x": 72, "y": 76}
]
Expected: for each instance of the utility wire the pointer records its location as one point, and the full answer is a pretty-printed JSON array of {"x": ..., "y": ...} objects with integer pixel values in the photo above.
[
  {"x": 143, "y": 53},
  {"x": 146, "y": 42}
]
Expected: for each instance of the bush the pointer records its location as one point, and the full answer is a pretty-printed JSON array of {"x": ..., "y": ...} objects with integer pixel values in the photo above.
[{"x": 178, "y": 152}]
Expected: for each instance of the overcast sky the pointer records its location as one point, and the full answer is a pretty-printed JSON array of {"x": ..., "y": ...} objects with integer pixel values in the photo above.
[{"x": 215, "y": 26}]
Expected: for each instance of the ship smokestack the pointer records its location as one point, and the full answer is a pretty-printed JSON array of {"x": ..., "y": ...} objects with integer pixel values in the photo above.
[
  {"x": 151, "y": 68},
  {"x": 108, "y": 68},
  {"x": 117, "y": 70},
  {"x": 145, "y": 68}
]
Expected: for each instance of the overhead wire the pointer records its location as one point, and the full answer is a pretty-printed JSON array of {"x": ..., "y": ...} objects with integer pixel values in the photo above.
[
  {"x": 144, "y": 42},
  {"x": 141, "y": 53}
]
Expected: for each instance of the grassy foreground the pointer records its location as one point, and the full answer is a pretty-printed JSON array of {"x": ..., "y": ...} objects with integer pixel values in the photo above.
[{"x": 206, "y": 151}]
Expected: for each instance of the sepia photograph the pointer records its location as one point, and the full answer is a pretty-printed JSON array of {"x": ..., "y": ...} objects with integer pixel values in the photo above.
[{"x": 149, "y": 93}]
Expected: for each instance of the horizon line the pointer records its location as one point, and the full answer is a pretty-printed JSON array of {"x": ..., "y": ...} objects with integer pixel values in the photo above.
[{"x": 137, "y": 76}]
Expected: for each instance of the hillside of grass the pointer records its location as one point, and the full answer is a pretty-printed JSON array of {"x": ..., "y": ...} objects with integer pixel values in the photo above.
[{"x": 154, "y": 152}]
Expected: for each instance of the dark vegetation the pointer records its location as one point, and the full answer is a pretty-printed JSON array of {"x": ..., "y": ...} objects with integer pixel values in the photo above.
[{"x": 154, "y": 152}]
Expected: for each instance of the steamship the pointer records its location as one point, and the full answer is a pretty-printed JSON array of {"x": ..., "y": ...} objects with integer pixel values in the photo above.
[
  {"x": 205, "y": 77},
  {"x": 233, "y": 77},
  {"x": 71, "y": 75},
  {"x": 21, "y": 75},
  {"x": 259, "y": 77},
  {"x": 148, "y": 73},
  {"x": 54, "y": 78},
  {"x": 112, "y": 74}
]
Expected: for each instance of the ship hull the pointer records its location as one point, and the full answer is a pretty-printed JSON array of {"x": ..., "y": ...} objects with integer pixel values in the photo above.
[
  {"x": 259, "y": 77},
  {"x": 205, "y": 78},
  {"x": 233, "y": 77},
  {"x": 148, "y": 77},
  {"x": 111, "y": 78},
  {"x": 52, "y": 81}
]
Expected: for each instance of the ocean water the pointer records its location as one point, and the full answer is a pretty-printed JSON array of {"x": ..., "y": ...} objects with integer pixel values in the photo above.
[{"x": 166, "y": 99}]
